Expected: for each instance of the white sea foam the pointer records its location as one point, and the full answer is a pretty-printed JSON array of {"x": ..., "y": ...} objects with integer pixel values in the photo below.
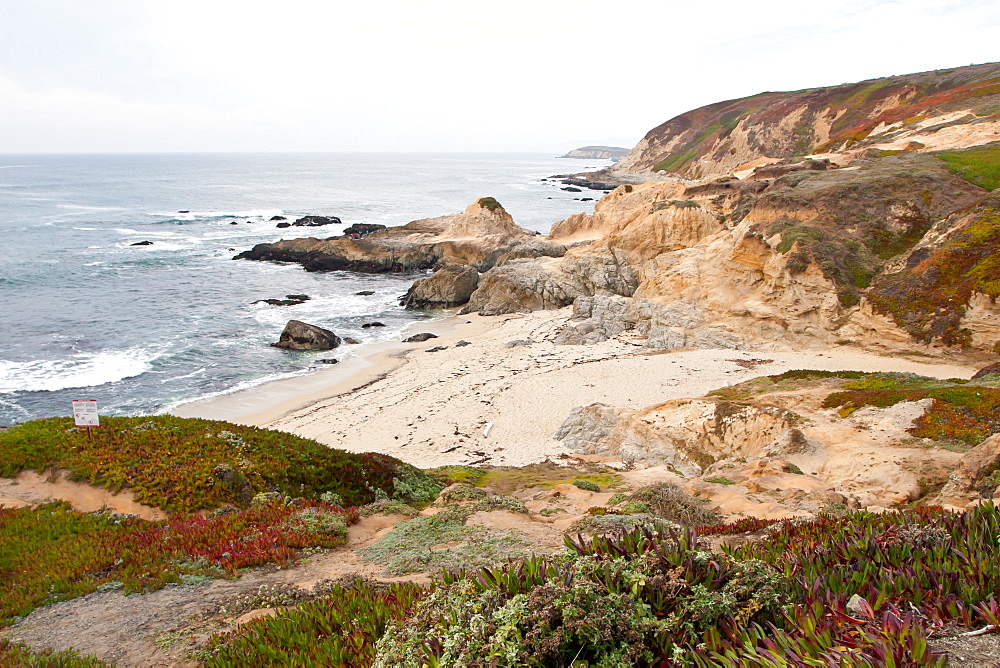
[
  {"x": 82, "y": 370},
  {"x": 195, "y": 215},
  {"x": 187, "y": 375}
]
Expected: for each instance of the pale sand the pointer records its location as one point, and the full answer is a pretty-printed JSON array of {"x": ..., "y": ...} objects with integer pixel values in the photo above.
[{"x": 432, "y": 409}]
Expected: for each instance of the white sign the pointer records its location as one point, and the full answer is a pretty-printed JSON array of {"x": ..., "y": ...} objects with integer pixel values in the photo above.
[{"x": 85, "y": 413}]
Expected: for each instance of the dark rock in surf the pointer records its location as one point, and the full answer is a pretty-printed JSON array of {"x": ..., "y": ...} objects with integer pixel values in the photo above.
[
  {"x": 142, "y": 243},
  {"x": 283, "y": 225},
  {"x": 278, "y": 218},
  {"x": 422, "y": 336},
  {"x": 298, "y": 335},
  {"x": 316, "y": 221}
]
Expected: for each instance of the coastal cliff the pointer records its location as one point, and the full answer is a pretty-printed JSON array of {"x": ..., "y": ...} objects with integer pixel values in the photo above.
[
  {"x": 883, "y": 237},
  {"x": 865, "y": 254},
  {"x": 928, "y": 111}
]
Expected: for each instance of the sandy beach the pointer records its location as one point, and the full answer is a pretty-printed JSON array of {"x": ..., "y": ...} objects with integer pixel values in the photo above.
[{"x": 500, "y": 399}]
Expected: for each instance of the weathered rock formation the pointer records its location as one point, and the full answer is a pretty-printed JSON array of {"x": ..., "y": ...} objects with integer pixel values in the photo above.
[
  {"x": 299, "y": 335},
  {"x": 869, "y": 458},
  {"x": 483, "y": 236},
  {"x": 688, "y": 435},
  {"x": 976, "y": 477},
  {"x": 816, "y": 255},
  {"x": 449, "y": 286}
]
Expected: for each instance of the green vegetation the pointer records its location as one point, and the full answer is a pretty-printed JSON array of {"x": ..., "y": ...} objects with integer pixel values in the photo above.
[
  {"x": 387, "y": 507},
  {"x": 720, "y": 480},
  {"x": 182, "y": 465},
  {"x": 963, "y": 412},
  {"x": 340, "y": 630},
  {"x": 490, "y": 203},
  {"x": 644, "y": 598},
  {"x": 980, "y": 166},
  {"x": 850, "y": 265},
  {"x": 449, "y": 475},
  {"x": 967, "y": 413},
  {"x": 857, "y": 590},
  {"x": 51, "y": 553},
  {"x": 443, "y": 541},
  {"x": 720, "y": 128},
  {"x": 616, "y": 498},
  {"x": 13, "y": 654},
  {"x": 587, "y": 485},
  {"x": 674, "y": 163},
  {"x": 460, "y": 492}
]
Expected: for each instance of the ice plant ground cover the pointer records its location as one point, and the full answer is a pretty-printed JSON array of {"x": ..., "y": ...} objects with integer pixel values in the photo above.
[
  {"x": 857, "y": 590},
  {"x": 51, "y": 553},
  {"x": 186, "y": 464}
]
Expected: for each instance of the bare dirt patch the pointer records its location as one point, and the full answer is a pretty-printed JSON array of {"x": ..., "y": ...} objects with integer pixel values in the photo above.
[{"x": 31, "y": 489}]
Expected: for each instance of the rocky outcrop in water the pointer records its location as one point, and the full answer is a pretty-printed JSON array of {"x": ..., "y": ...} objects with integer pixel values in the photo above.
[
  {"x": 483, "y": 236},
  {"x": 299, "y": 335},
  {"x": 316, "y": 221}
]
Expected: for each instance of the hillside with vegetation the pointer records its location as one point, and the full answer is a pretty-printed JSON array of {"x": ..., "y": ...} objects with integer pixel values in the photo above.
[{"x": 947, "y": 108}]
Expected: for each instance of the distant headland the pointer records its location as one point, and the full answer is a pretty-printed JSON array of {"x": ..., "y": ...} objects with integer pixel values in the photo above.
[{"x": 615, "y": 153}]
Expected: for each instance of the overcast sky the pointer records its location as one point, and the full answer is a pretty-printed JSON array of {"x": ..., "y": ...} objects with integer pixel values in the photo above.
[{"x": 436, "y": 75}]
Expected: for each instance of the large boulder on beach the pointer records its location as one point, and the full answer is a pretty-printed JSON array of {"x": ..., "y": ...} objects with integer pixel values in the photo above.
[
  {"x": 299, "y": 335},
  {"x": 447, "y": 287}
]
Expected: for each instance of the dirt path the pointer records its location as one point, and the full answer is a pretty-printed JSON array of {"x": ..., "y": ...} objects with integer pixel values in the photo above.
[{"x": 161, "y": 627}]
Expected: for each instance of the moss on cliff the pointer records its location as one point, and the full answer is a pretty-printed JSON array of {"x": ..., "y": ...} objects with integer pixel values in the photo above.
[{"x": 929, "y": 299}]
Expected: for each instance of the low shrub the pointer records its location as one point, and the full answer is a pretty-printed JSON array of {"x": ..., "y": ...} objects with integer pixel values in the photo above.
[
  {"x": 669, "y": 502},
  {"x": 443, "y": 541},
  {"x": 462, "y": 492},
  {"x": 387, "y": 507},
  {"x": 587, "y": 485},
  {"x": 616, "y": 498}
]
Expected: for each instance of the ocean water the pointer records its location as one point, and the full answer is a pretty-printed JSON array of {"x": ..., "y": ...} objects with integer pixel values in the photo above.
[{"x": 85, "y": 314}]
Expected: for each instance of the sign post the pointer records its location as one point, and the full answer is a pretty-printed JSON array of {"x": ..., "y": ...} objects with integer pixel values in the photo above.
[{"x": 85, "y": 414}]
